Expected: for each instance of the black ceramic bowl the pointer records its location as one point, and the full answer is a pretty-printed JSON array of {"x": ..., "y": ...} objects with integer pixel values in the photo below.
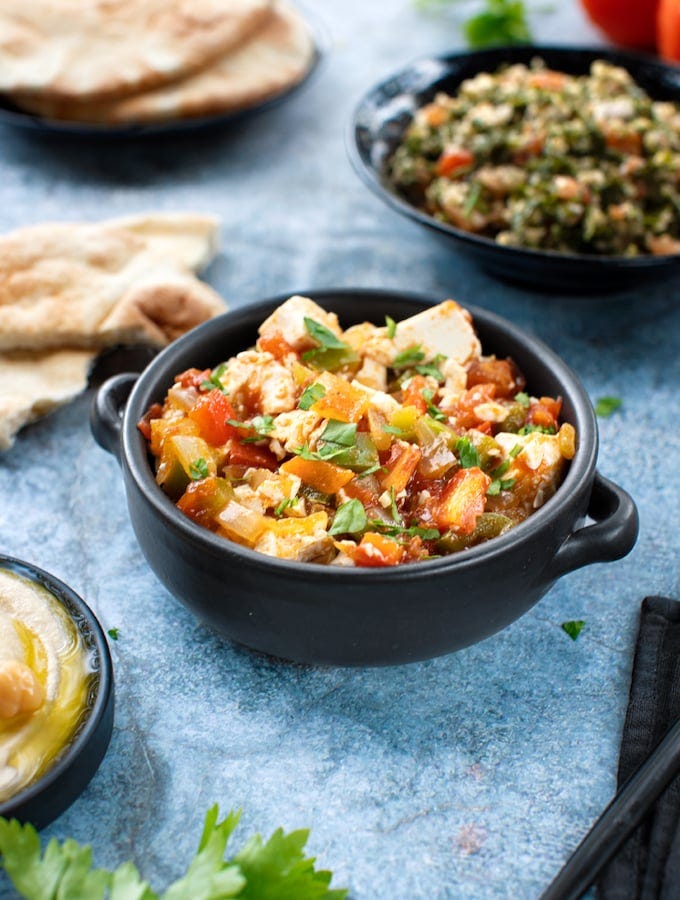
[
  {"x": 386, "y": 110},
  {"x": 45, "y": 799},
  {"x": 318, "y": 614}
]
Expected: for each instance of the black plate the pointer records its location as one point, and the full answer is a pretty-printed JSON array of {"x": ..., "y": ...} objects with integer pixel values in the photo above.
[
  {"x": 384, "y": 113},
  {"x": 49, "y": 796},
  {"x": 15, "y": 117}
]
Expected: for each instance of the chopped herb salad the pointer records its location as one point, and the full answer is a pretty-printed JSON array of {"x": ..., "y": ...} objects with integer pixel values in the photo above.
[
  {"x": 544, "y": 160},
  {"x": 372, "y": 446}
]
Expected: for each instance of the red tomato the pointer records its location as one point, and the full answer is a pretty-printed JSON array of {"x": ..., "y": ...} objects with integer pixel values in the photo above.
[
  {"x": 252, "y": 455},
  {"x": 631, "y": 23},
  {"x": 668, "y": 29},
  {"x": 210, "y": 413},
  {"x": 453, "y": 162}
]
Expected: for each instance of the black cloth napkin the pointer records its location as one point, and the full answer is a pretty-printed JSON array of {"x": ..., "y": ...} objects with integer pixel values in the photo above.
[{"x": 648, "y": 865}]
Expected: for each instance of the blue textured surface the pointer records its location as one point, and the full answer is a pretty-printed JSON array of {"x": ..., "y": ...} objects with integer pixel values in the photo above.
[{"x": 469, "y": 776}]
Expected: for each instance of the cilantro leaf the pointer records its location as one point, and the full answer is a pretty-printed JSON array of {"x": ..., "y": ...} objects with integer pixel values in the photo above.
[
  {"x": 350, "y": 518},
  {"x": 573, "y": 628},
  {"x": 279, "y": 870},
  {"x": 208, "y": 878},
  {"x": 113, "y": 633},
  {"x": 391, "y": 326},
  {"x": 408, "y": 357},
  {"x": 310, "y": 395},
  {"x": 272, "y": 870},
  {"x": 605, "y": 406},
  {"x": 199, "y": 469},
  {"x": 332, "y": 353}
]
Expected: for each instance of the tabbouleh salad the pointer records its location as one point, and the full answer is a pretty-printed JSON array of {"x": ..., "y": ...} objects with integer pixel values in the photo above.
[{"x": 541, "y": 159}]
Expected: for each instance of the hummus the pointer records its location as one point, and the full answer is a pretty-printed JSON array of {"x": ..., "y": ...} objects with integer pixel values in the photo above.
[{"x": 44, "y": 678}]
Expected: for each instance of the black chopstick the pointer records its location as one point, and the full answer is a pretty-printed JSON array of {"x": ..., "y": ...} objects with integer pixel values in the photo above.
[{"x": 626, "y": 811}]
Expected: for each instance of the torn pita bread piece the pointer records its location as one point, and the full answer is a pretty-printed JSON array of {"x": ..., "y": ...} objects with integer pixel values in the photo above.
[
  {"x": 94, "y": 285},
  {"x": 33, "y": 384},
  {"x": 272, "y": 61},
  {"x": 67, "y": 49}
]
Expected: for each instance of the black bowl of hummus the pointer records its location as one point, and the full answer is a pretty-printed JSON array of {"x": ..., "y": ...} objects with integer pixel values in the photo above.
[
  {"x": 56, "y": 694},
  {"x": 553, "y": 167}
]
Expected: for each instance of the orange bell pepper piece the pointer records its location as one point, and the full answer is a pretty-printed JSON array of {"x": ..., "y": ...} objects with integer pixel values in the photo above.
[
  {"x": 378, "y": 550},
  {"x": 341, "y": 401},
  {"x": 463, "y": 500},
  {"x": 401, "y": 465},
  {"x": 321, "y": 475}
]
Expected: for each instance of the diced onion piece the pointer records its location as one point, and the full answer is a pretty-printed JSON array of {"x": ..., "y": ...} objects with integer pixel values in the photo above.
[
  {"x": 242, "y": 524},
  {"x": 376, "y": 422}
]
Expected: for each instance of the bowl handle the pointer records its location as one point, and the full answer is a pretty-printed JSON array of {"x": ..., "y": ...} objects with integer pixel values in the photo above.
[
  {"x": 612, "y": 536},
  {"x": 106, "y": 413}
]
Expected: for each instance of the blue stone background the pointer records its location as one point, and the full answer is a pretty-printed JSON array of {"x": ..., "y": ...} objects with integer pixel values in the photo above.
[{"x": 468, "y": 776}]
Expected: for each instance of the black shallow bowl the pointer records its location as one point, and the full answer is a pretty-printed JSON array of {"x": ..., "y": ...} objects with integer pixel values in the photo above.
[
  {"x": 30, "y": 122},
  {"x": 386, "y": 110},
  {"x": 311, "y": 613},
  {"x": 49, "y": 796}
]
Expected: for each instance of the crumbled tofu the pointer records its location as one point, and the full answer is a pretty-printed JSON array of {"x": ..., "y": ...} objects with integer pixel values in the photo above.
[
  {"x": 372, "y": 374},
  {"x": 293, "y": 429},
  {"x": 445, "y": 328},
  {"x": 455, "y": 383},
  {"x": 277, "y": 487},
  {"x": 289, "y": 321},
  {"x": 318, "y": 547},
  {"x": 252, "y": 374},
  {"x": 491, "y": 412},
  {"x": 538, "y": 449},
  {"x": 371, "y": 342},
  {"x": 249, "y": 498}
]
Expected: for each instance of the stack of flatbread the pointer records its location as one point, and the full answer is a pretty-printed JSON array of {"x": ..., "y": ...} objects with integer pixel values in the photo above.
[
  {"x": 68, "y": 291},
  {"x": 144, "y": 61}
]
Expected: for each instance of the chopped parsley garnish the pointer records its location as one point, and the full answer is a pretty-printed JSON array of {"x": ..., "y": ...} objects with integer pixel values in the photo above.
[
  {"x": 113, "y": 633},
  {"x": 473, "y": 198},
  {"x": 523, "y": 399},
  {"x": 605, "y": 406},
  {"x": 573, "y": 628},
  {"x": 433, "y": 410},
  {"x": 198, "y": 469},
  {"x": 285, "y": 504},
  {"x": 391, "y": 326},
  {"x": 310, "y": 395},
  {"x": 540, "y": 429},
  {"x": 432, "y": 368},
  {"x": 409, "y": 357},
  {"x": 350, "y": 518},
  {"x": 468, "y": 455}
]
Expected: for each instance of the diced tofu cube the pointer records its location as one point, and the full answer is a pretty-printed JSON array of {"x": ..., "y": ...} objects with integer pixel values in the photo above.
[
  {"x": 372, "y": 374},
  {"x": 257, "y": 377},
  {"x": 293, "y": 429},
  {"x": 289, "y": 321},
  {"x": 445, "y": 328}
]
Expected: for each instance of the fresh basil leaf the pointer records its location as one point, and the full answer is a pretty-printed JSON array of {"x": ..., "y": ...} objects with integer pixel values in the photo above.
[
  {"x": 310, "y": 395},
  {"x": 323, "y": 336},
  {"x": 408, "y": 357},
  {"x": 339, "y": 433},
  {"x": 350, "y": 518}
]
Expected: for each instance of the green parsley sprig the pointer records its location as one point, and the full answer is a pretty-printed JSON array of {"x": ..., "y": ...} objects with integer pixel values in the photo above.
[{"x": 261, "y": 869}]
